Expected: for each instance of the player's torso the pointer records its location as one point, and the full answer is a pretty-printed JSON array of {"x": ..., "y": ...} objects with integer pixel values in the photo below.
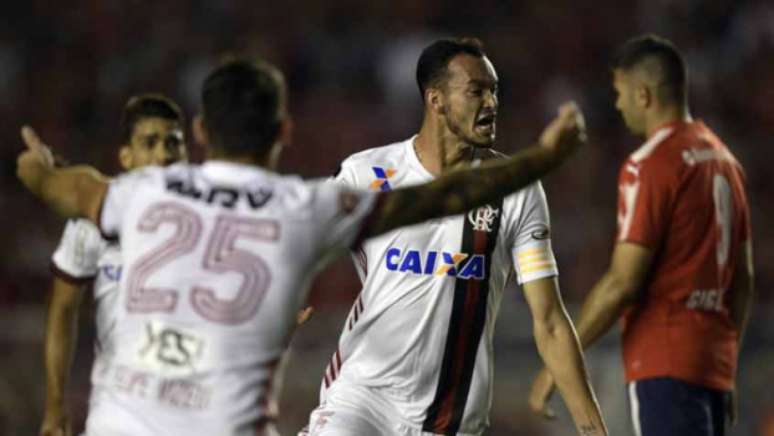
[
  {"x": 413, "y": 305},
  {"x": 704, "y": 219},
  {"x": 694, "y": 264},
  {"x": 213, "y": 277},
  {"x": 106, "y": 284}
]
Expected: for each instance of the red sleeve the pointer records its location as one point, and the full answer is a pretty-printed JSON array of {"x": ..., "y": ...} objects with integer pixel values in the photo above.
[{"x": 644, "y": 203}]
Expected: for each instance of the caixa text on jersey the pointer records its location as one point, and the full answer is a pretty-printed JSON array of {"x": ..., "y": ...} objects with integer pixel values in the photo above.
[{"x": 437, "y": 263}]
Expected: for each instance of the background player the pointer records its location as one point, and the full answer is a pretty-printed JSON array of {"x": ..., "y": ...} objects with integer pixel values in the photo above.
[
  {"x": 415, "y": 354},
  {"x": 204, "y": 322},
  {"x": 681, "y": 273},
  {"x": 151, "y": 134}
]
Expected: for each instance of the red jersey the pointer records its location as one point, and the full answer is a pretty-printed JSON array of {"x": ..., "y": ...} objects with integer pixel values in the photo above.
[{"x": 682, "y": 196}]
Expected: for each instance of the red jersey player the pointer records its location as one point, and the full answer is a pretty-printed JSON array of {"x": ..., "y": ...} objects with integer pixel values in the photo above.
[{"x": 681, "y": 271}]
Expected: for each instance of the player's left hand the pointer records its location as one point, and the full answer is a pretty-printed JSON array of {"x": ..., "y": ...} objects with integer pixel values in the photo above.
[
  {"x": 732, "y": 408},
  {"x": 542, "y": 388},
  {"x": 35, "y": 158}
]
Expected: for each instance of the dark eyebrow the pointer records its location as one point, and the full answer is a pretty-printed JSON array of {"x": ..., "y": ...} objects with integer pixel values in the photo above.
[{"x": 149, "y": 136}]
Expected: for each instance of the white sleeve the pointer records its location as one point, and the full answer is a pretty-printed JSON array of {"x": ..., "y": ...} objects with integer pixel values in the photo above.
[
  {"x": 342, "y": 214},
  {"x": 346, "y": 176},
  {"x": 75, "y": 259},
  {"x": 532, "y": 254},
  {"x": 118, "y": 199}
]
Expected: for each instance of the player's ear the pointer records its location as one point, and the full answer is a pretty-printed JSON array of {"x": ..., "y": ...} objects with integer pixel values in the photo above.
[
  {"x": 643, "y": 95},
  {"x": 434, "y": 99},
  {"x": 125, "y": 157}
]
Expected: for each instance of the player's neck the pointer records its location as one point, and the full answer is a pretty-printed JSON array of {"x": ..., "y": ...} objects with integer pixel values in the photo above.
[
  {"x": 263, "y": 162},
  {"x": 667, "y": 115},
  {"x": 439, "y": 150}
]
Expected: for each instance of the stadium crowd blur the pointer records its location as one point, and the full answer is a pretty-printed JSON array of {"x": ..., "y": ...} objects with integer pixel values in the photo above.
[{"x": 68, "y": 69}]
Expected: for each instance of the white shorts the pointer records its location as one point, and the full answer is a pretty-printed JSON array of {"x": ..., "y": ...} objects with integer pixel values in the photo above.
[{"x": 357, "y": 412}]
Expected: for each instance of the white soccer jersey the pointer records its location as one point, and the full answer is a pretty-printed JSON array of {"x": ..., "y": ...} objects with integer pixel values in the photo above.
[
  {"x": 218, "y": 259},
  {"x": 84, "y": 256},
  {"x": 419, "y": 336}
]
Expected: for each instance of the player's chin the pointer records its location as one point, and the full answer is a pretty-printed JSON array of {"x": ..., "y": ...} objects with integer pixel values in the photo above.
[{"x": 483, "y": 139}]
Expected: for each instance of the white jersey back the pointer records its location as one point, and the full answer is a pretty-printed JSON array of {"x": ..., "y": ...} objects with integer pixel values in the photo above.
[
  {"x": 218, "y": 259},
  {"x": 420, "y": 333}
]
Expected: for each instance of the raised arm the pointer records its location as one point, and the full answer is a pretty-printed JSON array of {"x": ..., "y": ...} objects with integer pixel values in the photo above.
[
  {"x": 72, "y": 192},
  {"x": 465, "y": 189},
  {"x": 558, "y": 346}
]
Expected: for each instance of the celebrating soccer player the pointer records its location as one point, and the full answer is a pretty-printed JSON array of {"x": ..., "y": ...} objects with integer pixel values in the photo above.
[
  {"x": 218, "y": 257},
  {"x": 415, "y": 355},
  {"x": 152, "y": 134},
  {"x": 681, "y": 272}
]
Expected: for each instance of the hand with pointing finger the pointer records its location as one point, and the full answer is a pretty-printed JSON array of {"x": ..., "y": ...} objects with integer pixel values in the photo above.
[{"x": 34, "y": 161}]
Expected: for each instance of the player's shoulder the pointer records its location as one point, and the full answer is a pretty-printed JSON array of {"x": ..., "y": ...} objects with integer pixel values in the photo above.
[
  {"x": 386, "y": 155},
  {"x": 525, "y": 197},
  {"x": 293, "y": 192},
  {"x": 654, "y": 148},
  {"x": 145, "y": 176}
]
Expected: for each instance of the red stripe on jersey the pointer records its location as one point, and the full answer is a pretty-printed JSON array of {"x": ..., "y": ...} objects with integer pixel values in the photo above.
[
  {"x": 338, "y": 359},
  {"x": 466, "y": 326},
  {"x": 362, "y": 259},
  {"x": 461, "y": 347},
  {"x": 331, "y": 372}
]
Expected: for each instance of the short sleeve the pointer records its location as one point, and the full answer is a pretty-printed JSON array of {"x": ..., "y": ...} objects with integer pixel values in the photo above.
[
  {"x": 75, "y": 259},
  {"x": 343, "y": 213},
  {"x": 346, "y": 175},
  {"x": 118, "y": 199},
  {"x": 643, "y": 205},
  {"x": 532, "y": 254}
]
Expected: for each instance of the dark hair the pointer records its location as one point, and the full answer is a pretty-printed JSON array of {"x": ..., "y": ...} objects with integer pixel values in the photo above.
[
  {"x": 661, "y": 60},
  {"x": 148, "y": 106},
  {"x": 244, "y": 105},
  {"x": 435, "y": 59}
]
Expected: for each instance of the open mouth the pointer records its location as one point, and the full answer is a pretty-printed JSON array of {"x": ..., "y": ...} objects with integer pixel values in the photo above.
[{"x": 486, "y": 121}]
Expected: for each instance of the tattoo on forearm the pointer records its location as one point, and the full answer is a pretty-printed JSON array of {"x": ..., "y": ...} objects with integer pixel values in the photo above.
[
  {"x": 455, "y": 193},
  {"x": 589, "y": 430}
]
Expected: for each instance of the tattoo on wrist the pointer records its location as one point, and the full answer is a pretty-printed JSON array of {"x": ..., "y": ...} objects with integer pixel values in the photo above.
[{"x": 589, "y": 430}]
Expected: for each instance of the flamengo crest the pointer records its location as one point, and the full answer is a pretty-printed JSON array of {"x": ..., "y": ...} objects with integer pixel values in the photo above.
[{"x": 483, "y": 218}]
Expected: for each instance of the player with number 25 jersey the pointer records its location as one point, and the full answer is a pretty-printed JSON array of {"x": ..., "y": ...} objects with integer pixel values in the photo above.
[{"x": 200, "y": 248}]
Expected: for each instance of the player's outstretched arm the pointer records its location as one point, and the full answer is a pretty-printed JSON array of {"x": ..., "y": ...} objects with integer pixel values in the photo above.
[
  {"x": 604, "y": 305},
  {"x": 61, "y": 337},
  {"x": 465, "y": 189},
  {"x": 72, "y": 192},
  {"x": 559, "y": 347}
]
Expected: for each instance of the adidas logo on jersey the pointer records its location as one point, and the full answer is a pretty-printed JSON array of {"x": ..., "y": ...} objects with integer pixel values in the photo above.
[{"x": 437, "y": 263}]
